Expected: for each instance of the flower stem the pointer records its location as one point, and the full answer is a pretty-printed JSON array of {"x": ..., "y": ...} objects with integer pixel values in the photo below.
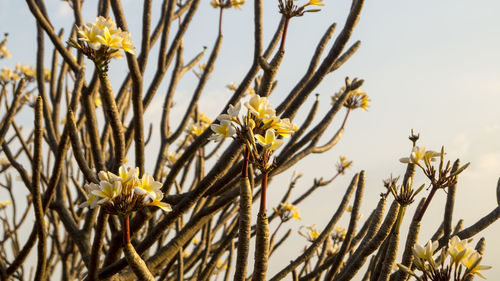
[
  {"x": 126, "y": 229},
  {"x": 283, "y": 36},
  {"x": 220, "y": 21},
  {"x": 345, "y": 118},
  {"x": 244, "y": 169},
  {"x": 426, "y": 204},
  {"x": 276, "y": 231}
]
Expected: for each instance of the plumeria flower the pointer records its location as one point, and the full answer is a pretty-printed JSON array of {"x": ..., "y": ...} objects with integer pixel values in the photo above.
[
  {"x": 101, "y": 40},
  {"x": 472, "y": 263},
  {"x": 311, "y": 234},
  {"x": 172, "y": 158},
  {"x": 339, "y": 233},
  {"x": 148, "y": 187},
  {"x": 195, "y": 129},
  {"x": 356, "y": 99},
  {"x": 107, "y": 191},
  {"x": 232, "y": 112},
  {"x": 102, "y": 22},
  {"x": 458, "y": 249},
  {"x": 270, "y": 142},
  {"x": 204, "y": 119},
  {"x": 128, "y": 174},
  {"x": 27, "y": 71},
  {"x": 284, "y": 127},
  {"x": 232, "y": 86},
  {"x": 430, "y": 156},
  {"x": 89, "y": 34},
  {"x": 417, "y": 154},
  {"x": 237, "y": 4},
  {"x": 222, "y": 130},
  {"x": 287, "y": 211},
  {"x": 108, "y": 176},
  {"x": 343, "y": 164},
  {"x": 162, "y": 205},
  {"x": 4, "y": 205},
  {"x": 127, "y": 44},
  {"x": 113, "y": 42},
  {"x": 225, "y": 4},
  {"x": 4, "y": 52},
  {"x": 92, "y": 198},
  {"x": 6, "y": 75},
  {"x": 260, "y": 108},
  {"x": 315, "y": 3},
  {"x": 426, "y": 251}
]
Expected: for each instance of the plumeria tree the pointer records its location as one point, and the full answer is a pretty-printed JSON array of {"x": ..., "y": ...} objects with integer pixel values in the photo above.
[{"x": 99, "y": 216}]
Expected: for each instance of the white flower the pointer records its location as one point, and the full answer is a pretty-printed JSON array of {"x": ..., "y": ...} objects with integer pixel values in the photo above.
[
  {"x": 224, "y": 130},
  {"x": 149, "y": 187},
  {"x": 458, "y": 249},
  {"x": 259, "y": 107},
  {"x": 162, "y": 205},
  {"x": 426, "y": 251},
  {"x": 472, "y": 263},
  {"x": 108, "y": 176},
  {"x": 270, "y": 141},
  {"x": 107, "y": 191},
  {"x": 92, "y": 198},
  {"x": 417, "y": 154},
  {"x": 128, "y": 174},
  {"x": 284, "y": 127},
  {"x": 232, "y": 112}
]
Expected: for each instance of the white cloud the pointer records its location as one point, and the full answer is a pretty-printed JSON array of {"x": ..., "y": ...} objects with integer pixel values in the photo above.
[{"x": 63, "y": 11}]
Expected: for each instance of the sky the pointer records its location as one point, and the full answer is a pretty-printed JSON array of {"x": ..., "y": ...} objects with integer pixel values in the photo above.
[{"x": 431, "y": 66}]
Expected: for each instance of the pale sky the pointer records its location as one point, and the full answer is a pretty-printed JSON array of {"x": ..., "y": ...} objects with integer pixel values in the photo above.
[{"x": 433, "y": 66}]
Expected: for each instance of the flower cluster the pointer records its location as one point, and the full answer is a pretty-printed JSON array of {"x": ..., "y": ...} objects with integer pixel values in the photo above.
[
  {"x": 444, "y": 176},
  {"x": 335, "y": 239},
  {"x": 290, "y": 10},
  {"x": 418, "y": 153},
  {"x": 24, "y": 71},
  {"x": 102, "y": 40},
  {"x": 311, "y": 233},
  {"x": 125, "y": 192},
  {"x": 404, "y": 194},
  {"x": 343, "y": 164},
  {"x": 7, "y": 75},
  {"x": 259, "y": 126},
  {"x": 4, "y": 52},
  {"x": 356, "y": 99},
  {"x": 287, "y": 211},
  {"x": 226, "y": 4},
  {"x": 172, "y": 157},
  {"x": 4, "y": 205},
  {"x": 197, "y": 127},
  {"x": 233, "y": 87},
  {"x": 463, "y": 262}
]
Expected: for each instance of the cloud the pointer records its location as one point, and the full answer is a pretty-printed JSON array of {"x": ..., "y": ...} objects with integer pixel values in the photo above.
[{"x": 63, "y": 11}]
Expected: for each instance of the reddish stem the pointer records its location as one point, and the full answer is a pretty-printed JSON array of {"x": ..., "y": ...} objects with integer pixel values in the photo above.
[
  {"x": 262, "y": 209},
  {"x": 244, "y": 169},
  {"x": 277, "y": 228},
  {"x": 283, "y": 37},
  {"x": 426, "y": 204},
  {"x": 345, "y": 118},
  {"x": 126, "y": 229},
  {"x": 220, "y": 21}
]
